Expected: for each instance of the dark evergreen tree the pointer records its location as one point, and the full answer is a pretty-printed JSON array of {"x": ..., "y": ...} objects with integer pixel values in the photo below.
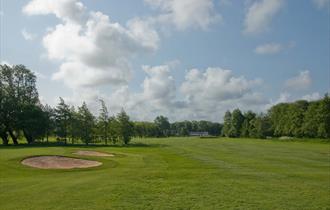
[
  {"x": 87, "y": 123},
  {"x": 125, "y": 127}
]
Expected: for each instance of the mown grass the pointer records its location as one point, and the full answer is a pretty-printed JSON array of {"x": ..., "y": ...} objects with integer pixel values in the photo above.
[{"x": 174, "y": 173}]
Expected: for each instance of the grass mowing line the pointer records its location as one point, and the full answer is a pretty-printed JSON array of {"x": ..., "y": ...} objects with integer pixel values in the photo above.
[{"x": 183, "y": 173}]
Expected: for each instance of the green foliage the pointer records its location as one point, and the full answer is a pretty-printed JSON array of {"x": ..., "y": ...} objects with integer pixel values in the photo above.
[
  {"x": 301, "y": 118},
  {"x": 237, "y": 120},
  {"x": 227, "y": 125},
  {"x": 34, "y": 124},
  {"x": 62, "y": 119},
  {"x": 150, "y": 129},
  {"x": 125, "y": 127},
  {"x": 86, "y": 121},
  {"x": 18, "y": 95},
  {"x": 163, "y": 126},
  {"x": 103, "y": 122},
  {"x": 260, "y": 127}
]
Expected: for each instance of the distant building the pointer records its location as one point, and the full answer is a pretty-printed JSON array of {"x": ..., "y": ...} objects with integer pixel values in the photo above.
[{"x": 205, "y": 133}]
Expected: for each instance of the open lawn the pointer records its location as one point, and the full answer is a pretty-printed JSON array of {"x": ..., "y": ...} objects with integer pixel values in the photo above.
[{"x": 173, "y": 173}]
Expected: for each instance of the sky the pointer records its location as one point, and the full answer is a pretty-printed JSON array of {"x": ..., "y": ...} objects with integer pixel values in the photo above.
[{"x": 185, "y": 59}]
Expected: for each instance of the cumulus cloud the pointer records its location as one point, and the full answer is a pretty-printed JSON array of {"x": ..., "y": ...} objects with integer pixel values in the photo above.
[
  {"x": 269, "y": 48},
  {"x": 322, "y": 3},
  {"x": 186, "y": 13},
  {"x": 159, "y": 85},
  {"x": 93, "y": 49},
  {"x": 299, "y": 82},
  {"x": 67, "y": 10},
  {"x": 203, "y": 95},
  {"x": 260, "y": 14},
  {"x": 284, "y": 97},
  {"x": 210, "y": 93},
  {"x": 215, "y": 83},
  {"x": 312, "y": 97},
  {"x": 27, "y": 35}
]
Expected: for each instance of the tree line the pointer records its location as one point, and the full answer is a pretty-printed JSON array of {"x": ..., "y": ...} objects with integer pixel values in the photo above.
[
  {"x": 298, "y": 119},
  {"x": 161, "y": 127},
  {"x": 23, "y": 116}
]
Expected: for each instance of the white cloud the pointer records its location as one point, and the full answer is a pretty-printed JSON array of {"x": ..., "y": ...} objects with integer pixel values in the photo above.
[
  {"x": 6, "y": 63},
  {"x": 158, "y": 94},
  {"x": 312, "y": 97},
  {"x": 215, "y": 83},
  {"x": 186, "y": 13},
  {"x": 322, "y": 3},
  {"x": 210, "y": 93},
  {"x": 260, "y": 15},
  {"x": 269, "y": 48},
  {"x": 284, "y": 98},
  {"x": 203, "y": 95},
  {"x": 67, "y": 10},
  {"x": 93, "y": 49},
  {"x": 299, "y": 82},
  {"x": 159, "y": 85},
  {"x": 27, "y": 35}
]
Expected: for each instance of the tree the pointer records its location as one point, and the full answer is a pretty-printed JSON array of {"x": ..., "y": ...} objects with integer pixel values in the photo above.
[
  {"x": 227, "y": 127},
  {"x": 49, "y": 120},
  {"x": 33, "y": 123},
  {"x": 3, "y": 131},
  {"x": 237, "y": 120},
  {"x": 311, "y": 120},
  {"x": 62, "y": 119},
  {"x": 74, "y": 126},
  {"x": 19, "y": 92},
  {"x": 324, "y": 116},
  {"x": 279, "y": 119},
  {"x": 113, "y": 129},
  {"x": 103, "y": 121},
  {"x": 295, "y": 118},
  {"x": 125, "y": 127},
  {"x": 87, "y": 123},
  {"x": 163, "y": 125},
  {"x": 260, "y": 127},
  {"x": 248, "y": 117}
]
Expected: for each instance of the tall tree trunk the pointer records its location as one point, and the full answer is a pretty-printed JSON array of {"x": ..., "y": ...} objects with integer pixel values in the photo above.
[
  {"x": 13, "y": 137},
  {"x": 4, "y": 137},
  {"x": 29, "y": 138}
]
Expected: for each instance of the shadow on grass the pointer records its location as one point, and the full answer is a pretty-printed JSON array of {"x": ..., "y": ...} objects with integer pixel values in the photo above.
[{"x": 55, "y": 144}]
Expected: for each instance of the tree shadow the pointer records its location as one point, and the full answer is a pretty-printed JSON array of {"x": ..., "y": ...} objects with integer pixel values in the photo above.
[{"x": 55, "y": 144}]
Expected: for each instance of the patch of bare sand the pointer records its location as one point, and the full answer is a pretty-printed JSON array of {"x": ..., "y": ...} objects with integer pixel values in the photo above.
[
  {"x": 59, "y": 162},
  {"x": 93, "y": 153}
]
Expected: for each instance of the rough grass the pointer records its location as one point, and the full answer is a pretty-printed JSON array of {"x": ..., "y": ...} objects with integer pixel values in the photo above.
[{"x": 174, "y": 173}]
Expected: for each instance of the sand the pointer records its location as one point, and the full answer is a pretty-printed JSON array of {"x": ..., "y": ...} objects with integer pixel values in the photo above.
[{"x": 59, "y": 162}]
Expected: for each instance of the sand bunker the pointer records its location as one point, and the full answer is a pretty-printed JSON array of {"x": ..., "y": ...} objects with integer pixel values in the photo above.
[
  {"x": 59, "y": 162},
  {"x": 93, "y": 153}
]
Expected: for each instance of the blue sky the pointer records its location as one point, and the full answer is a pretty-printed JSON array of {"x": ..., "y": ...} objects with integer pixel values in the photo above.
[{"x": 186, "y": 59}]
